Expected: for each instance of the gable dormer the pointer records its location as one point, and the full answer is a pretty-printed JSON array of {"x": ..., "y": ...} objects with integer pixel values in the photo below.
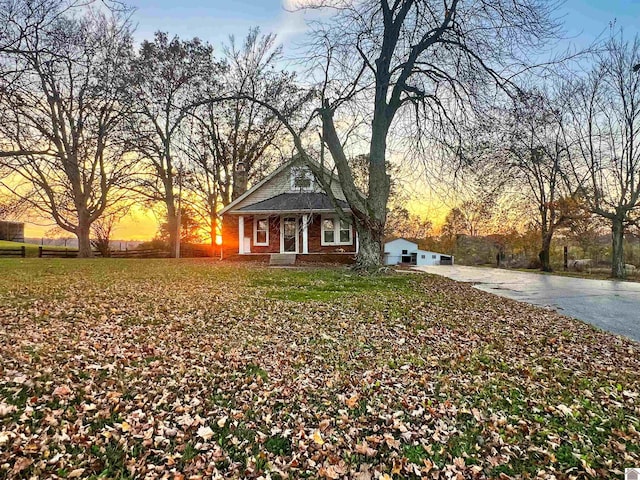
[{"x": 301, "y": 179}]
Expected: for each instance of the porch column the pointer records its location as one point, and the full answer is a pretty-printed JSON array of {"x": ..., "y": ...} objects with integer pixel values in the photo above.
[
  {"x": 305, "y": 234},
  {"x": 357, "y": 242},
  {"x": 241, "y": 235}
]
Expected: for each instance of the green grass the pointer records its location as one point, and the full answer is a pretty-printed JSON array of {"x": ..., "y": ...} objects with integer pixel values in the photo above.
[
  {"x": 31, "y": 250},
  {"x": 294, "y": 370},
  {"x": 324, "y": 284}
]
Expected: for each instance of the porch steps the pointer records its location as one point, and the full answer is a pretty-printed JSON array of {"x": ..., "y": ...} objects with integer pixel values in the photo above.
[{"x": 282, "y": 259}]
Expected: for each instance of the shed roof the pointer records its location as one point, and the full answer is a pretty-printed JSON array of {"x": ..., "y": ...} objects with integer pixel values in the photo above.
[
  {"x": 287, "y": 202},
  {"x": 402, "y": 240}
]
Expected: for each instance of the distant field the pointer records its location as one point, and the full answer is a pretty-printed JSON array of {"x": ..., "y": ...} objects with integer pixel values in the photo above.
[
  {"x": 31, "y": 250},
  {"x": 179, "y": 368}
]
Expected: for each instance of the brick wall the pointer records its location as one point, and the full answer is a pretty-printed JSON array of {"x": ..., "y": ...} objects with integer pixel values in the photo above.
[
  {"x": 274, "y": 235},
  {"x": 315, "y": 239},
  {"x": 230, "y": 244},
  {"x": 230, "y": 236}
]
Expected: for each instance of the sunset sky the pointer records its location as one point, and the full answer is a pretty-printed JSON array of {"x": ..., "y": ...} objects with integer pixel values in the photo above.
[{"x": 215, "y": 20}]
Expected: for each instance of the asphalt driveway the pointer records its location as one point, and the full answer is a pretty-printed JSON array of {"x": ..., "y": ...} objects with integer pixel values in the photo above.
[{"x": 610, "y": 305}]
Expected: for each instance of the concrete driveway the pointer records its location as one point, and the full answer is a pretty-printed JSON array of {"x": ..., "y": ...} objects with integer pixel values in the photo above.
[{"x": 611, "y": 305}]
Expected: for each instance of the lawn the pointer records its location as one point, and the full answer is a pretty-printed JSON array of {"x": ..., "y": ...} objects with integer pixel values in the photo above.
[{"x": 182, "y": 369}]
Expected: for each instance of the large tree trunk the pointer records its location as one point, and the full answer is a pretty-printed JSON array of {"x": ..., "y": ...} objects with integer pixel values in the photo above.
[
  {"x": 172, "y": 225},
  {"x": 172, "y": 217},
  {"x": 83, "y": 232},
  {"x": 617, "y": 250},
  {"x": 371, "y": 232},
  {"x": 371, "y": 247},
  {"x": 545, "y": 252}
]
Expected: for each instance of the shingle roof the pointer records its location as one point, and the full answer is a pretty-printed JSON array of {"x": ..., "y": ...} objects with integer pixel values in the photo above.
[{"x": 288, "y": 202}]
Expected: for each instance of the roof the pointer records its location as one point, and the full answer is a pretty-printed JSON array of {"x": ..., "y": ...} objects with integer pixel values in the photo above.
[
  {"x": 287, "y": 202},
  {"x": 403, "y": 240},
  {"x": 273, "y": 174}
]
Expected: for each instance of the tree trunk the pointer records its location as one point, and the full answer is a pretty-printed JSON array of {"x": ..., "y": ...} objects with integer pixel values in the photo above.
[
  {"x": 172, "y": 226},
  {"x": 83, "y": 232},
  {"x": 545, "y": 252},
  {"x": 213, "y": 231},
  {"x": 617, "y": 251},
  {"x": 371, "y": 246}
]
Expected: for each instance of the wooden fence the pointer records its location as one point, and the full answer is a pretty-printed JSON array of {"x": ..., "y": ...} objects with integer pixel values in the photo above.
[
  {"x": 188, "y": 251},
  {"x": 13, "y": 252},
  {"x": 142, "y": 253},
  {"x": 66, "y": 253},
  {"x": 58, "y": 253}
]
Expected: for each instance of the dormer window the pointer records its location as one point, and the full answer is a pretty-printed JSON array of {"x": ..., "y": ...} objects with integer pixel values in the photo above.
[{"x": 301, "y": 179}]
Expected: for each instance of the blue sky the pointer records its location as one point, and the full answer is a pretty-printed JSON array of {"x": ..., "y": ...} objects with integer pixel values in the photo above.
[{"x": 215, "y": 20}]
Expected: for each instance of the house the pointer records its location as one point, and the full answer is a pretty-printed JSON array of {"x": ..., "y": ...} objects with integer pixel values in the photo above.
[
  {"x": 288, "y": 213},
  {"x": 402, "y": 250},
  {"x": 11, "y": 231}
]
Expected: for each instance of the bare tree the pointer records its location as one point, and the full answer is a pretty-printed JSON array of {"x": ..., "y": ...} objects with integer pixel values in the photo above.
[
  {"x": 537, "y": 158},
  {"x": 605, "y": 133},
  {"x": 11, "y": 207},
  {"x": 402, "y": 223},
  {"x": 169, "y": 76},
  {"x": 102, "y": 230},
  {"x": 247, "y": 134},
  {"x": 234, "y": 143},
  {"x": 21, "y": 19},
  {"x": 62, "y": 105},
  {"x": 203, "y": 177},
  {"x": 408, "y": 69}
]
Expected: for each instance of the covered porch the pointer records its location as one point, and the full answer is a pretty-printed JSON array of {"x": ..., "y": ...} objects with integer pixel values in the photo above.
[{"x": 295, "y": 233}]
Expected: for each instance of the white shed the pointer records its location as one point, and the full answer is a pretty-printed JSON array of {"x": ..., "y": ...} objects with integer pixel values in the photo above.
[{"x": 402, "y": 250}]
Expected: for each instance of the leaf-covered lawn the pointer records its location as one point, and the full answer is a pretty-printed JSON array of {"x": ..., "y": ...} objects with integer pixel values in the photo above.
[{"x": 189, "y": 369}]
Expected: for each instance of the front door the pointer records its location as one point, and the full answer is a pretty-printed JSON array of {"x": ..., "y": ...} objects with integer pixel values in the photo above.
[{"x": 289, "y": 235}]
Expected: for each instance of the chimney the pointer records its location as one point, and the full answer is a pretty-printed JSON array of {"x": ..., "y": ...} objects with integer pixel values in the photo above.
[{"x": 240, "y": 180}]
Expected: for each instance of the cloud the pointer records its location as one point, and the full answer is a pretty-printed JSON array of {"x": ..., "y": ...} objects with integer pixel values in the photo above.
[
  {"x": 296, "y": 13},
  {"x": 297, "y": 4}
]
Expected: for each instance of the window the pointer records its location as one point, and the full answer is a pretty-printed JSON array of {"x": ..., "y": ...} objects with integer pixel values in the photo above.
[
  {"x": 345, "y": 232},
  {"x": 301, "y": 179},
  {"x": 422, "y": 256},
  {"x": 433, "y": 256},
  {"x": 261, "y": 231},
  {"x": 336, "y": 231},
  {"x": 405, "y": 252}
]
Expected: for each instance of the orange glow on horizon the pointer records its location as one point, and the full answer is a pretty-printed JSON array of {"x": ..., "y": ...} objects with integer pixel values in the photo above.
[{"x": 142, "y": 224}]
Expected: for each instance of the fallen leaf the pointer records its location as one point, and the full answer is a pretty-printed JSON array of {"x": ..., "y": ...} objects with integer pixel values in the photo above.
[
  {"x": 205, "y": 433},
  {"x": 352, "y": 401},
  {"x": 62, "y": 391}
]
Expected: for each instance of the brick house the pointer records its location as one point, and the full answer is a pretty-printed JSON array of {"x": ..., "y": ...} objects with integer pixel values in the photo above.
[{"x": 288, "y": 213}]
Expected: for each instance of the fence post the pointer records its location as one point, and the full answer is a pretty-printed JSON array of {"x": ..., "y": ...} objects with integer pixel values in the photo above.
[
  {"x": 40, "y": 251},
  {"x": 23, "y": 251}
]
